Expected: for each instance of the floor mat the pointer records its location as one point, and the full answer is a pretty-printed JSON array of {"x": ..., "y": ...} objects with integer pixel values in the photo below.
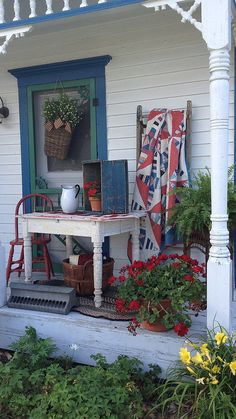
[{"x": 107, "y": 309}]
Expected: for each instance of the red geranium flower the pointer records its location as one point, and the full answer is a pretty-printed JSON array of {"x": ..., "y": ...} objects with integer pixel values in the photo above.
[
  {"x": 185, "y": 258},
  {"x": 122, "y": 278},
  {"x": 140, "y": 282},
  {"x": 155, "y": 260},
  {"x": 197, "y": 269},
  {"x": 134, "y": 305},
  {"x": 181, "y": 329},
  {"x": 150, "y": 266},
  {"x": 92, "y": 192},
  {"x": 111, "y": 280},
  {"x": 173, "y": 255},
  {"x": 138, "y": 264},
  {"x": 120, "y": 305},
  {"x": 194, "y": 262},
  {"x": 133, "y": 325},
  {"x": 175, "y": 265},
  {"x": 189, "y": 278},
  {"x": 163, "y": 256}
]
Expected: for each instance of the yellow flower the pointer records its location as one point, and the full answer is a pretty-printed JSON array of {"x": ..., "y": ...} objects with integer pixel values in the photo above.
[
  {"x": 214, "y": 381},
  {"x": 185, "y": 356},
  {"x": 232, "y": 366},
  {"x": 197, "y": 359},
  {"x": 204, "y": 366},
  {"x": 191, "y": 371},
  {"x": 204, "y": 349},
  {"x": 216, "y": 369},
  {"x": 200, "y": 380},
  {"x": 221, "y": 338}
]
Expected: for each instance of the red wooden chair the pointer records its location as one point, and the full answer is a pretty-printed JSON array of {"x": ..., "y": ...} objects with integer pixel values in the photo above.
[{"x": 31, "y": 203}]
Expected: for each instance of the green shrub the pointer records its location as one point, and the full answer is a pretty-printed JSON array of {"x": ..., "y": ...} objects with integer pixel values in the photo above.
[
  {"x": 204, "y": 386},
  {"x": 36, "y": 387}
]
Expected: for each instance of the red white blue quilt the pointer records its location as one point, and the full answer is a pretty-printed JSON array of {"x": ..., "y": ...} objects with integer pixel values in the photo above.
[{"x": 161, "y": 168}]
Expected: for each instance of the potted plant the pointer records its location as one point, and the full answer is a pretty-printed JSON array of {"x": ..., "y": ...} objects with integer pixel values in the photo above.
[
  {"x": 93, "y": 190},
  {"x": 191, "y": 215},
  {"x": 62, "y": 115},
  {"x": 161, "y": 291}
]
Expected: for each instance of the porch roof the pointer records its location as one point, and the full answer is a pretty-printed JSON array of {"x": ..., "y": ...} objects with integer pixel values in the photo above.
[{"x": 15, "y": 14}]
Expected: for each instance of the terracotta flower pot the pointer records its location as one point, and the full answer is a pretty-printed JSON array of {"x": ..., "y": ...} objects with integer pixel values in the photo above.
[
  {"x": 95, "y": 203},
  {"x": 158, "y": 326}
]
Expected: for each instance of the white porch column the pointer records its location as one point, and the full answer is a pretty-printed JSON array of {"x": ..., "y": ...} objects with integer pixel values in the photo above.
[{"x": 216, "y": 29}]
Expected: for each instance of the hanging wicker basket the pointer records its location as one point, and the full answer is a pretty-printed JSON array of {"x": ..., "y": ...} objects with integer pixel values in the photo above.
[
  {"x": 81, "y": 277},
  {"x": 57, "y": 140}
]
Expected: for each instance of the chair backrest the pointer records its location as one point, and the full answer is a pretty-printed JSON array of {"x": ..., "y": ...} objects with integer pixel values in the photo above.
[
  {"x": 31, "y": 203},
  {"x": 199, "y": 241}
]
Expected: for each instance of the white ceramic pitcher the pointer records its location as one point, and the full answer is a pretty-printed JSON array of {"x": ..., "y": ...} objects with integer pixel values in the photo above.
[{"x": 70, "y": 198}]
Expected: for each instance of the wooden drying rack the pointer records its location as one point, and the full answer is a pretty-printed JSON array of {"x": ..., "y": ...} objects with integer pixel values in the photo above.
[{"x": 141, "y": 126}]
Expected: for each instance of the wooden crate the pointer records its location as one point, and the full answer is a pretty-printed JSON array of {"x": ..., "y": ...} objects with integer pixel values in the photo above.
[{"x": 113, "y": 177}]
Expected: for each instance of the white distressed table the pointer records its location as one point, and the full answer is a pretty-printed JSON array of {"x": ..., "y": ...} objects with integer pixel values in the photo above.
[{"x": 96, "y": 227}]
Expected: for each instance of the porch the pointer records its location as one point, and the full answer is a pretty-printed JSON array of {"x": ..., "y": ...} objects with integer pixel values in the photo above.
[
  {"x": 89, "y": 336},
  {"x": 133, "y": 77}
]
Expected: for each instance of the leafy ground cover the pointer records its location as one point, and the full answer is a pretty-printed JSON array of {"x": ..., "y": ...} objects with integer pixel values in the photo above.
[{"x": 34, "y": 386}]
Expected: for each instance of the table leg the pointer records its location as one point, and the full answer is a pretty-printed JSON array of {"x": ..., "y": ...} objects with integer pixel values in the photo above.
[
  {"x": 69, "y": 246},
  {"x": 135, "y": 241},
  {"x": 97, "y": 271},
  {"x": 27, "y": 253}
]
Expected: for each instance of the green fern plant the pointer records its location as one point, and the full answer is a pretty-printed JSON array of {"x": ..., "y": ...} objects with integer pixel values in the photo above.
[{"x": 193, "y": 211}]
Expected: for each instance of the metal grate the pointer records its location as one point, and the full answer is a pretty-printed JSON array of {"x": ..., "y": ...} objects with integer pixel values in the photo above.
[{"x": 52, "y": 299}]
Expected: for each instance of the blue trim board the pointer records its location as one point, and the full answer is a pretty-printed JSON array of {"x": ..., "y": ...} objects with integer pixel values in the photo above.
[
  {"x": 52, "y": 73},
  {"x": 67, "y": 70},
  {"x": 70, "y": 13},
  {"x": 25, "y": 160}
]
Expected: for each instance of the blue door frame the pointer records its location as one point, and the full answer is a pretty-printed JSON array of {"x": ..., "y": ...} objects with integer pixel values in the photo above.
[{"x": 52, "y": 73}]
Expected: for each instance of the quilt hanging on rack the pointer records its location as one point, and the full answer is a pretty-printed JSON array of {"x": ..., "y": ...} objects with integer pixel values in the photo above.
[{"x": 162, "y": 167}]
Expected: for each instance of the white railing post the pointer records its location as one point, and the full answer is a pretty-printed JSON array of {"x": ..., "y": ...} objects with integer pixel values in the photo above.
[
  {"x": 16, "y": 10},
  {"x": 66, "y": 5},
  {"x": 2, "y": 11},
  {"x": 83, "y": 3},
  {"x": 216, "y": 13},
  {"x": 49, "y": 7},
  {"x": 32, "y": 8}
]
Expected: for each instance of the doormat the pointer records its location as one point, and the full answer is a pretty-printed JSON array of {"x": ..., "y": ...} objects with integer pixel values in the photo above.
[{"x": 107, "y": 309}]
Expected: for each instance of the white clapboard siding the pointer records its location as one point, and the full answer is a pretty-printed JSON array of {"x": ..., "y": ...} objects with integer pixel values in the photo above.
[{"x": 156, "y": 62}]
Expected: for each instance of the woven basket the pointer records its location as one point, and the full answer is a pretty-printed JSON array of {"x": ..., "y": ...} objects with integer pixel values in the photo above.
[
  {"x": 81, "y": 278},
  {"x": 57, "y": 143}
]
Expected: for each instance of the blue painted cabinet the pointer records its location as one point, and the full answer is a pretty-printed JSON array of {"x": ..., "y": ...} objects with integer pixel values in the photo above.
[{"x": 113, "y": 177}]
